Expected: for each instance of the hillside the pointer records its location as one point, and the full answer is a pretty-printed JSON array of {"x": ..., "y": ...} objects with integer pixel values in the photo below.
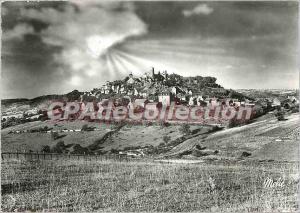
[
  {"x": 148, "y": 86},
  {"x": 265, "y": 139},
  {"x": 34, "y": 102},
  {"x": 268, "y": 93},
  {"x": 161, "y": 88}
]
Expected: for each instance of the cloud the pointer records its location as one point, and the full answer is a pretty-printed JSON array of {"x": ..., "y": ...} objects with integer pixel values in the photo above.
[
  {"x": 68, "y": 47},
  {"x": 4, "y": 10},
  {"x": 200, "y": 9},
  {"x": 86, "y": 31},
  {"x": 17, "y": 32}
]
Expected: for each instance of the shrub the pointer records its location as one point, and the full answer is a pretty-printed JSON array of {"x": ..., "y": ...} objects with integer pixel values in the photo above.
[
  {"x": 77, "y": 149},
  {"x": 85, "y": 127},
  {"x": 185, "y": 129},
  {"x": 59, "y": 147},
  {"x": 166, "y": 138},
  {"x": 280, "y": 115},
  {"x": 199, "y": 153},
  {"x": 54, "y": 135},
  {"x": 46, "y": 128},
  {"x": 46, "y": 149},
  {"x": 186, "y": 152},
  {"x": 245, "y": 154},
  {"x": 131, "y": 148},
  {"x": 114, "y": 151},
  {"x": 161, "y": 144},
  {"x": 199, "y": 147},
  {"x": 295, "y": 109},
  {"x": 232, "y": 123}
]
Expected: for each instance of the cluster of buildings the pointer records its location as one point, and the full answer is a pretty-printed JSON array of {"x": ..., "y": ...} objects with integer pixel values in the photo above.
[
  {"x": 12, "y": 112},
  {"x": 283, "y": 101},
  {"x": 163, "y": 88},
  {"x": 15, "y": 113},
  {"x": 137, "y": 86},
  {"x": 160, "y": 87}
]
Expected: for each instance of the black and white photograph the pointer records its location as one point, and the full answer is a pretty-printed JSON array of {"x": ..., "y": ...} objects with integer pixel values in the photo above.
[{"x": 149, "y": 106}]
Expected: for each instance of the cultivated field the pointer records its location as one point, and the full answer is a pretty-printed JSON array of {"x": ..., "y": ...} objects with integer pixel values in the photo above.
[
  {"x": 128, "y": 136},
  {"x": 147, "y": 185}
]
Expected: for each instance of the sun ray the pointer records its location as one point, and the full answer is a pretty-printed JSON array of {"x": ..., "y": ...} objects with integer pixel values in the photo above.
[
  {"x": 134, "y": 67},
  {"x": 157, "y": 51},
  {"x": 119, "y": 60},
  {"x": 114, "y": 65},
  {"x": 145, "y": 62},
  {"x": 118, "y": 63},
  {"x": 184, "y": 51},
  {"x": 129, "y": 59},
  {"x": 109, "y": 66}
]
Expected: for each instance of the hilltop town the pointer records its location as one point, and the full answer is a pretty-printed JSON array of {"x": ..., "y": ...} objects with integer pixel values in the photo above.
[
  {"x": 157, "y": 86},
  {"x": 23, "y": 119}
]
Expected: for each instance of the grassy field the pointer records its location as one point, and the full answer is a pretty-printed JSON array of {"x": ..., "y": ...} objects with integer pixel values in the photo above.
[
  {"x": 219, "y": 182},
  {"x": 266, "y": 139},
  {"x": 128, "y": 136},
  {"x": 146, "y": 185}
]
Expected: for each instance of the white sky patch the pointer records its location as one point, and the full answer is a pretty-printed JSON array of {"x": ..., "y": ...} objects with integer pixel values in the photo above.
[
  {"x": 200, "y": 9},
  {"x": 75, "y": 80},
  {"x": 98, "y": 45},
  {"x": 229, "y": 66}
]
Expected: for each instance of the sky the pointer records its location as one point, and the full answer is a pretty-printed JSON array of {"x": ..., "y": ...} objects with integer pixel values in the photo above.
[{"x": 56, "y": 47}]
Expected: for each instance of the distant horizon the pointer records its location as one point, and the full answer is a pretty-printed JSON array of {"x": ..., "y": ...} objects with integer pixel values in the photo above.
[
  {"x": 156, "y": 71},
  {"x": 30, "y": 98}
]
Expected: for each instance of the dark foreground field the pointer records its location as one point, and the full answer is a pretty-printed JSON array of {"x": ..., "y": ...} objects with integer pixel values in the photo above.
[{"x": 146, "y": 185}]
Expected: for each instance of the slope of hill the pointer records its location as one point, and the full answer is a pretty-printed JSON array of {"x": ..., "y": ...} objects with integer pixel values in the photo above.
[
  {"x": 265, "y": 139},
  {"x": 34, "y": 102},
  {"x": 268, "y": 139},
  {"x": 268, "y": 93}
]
